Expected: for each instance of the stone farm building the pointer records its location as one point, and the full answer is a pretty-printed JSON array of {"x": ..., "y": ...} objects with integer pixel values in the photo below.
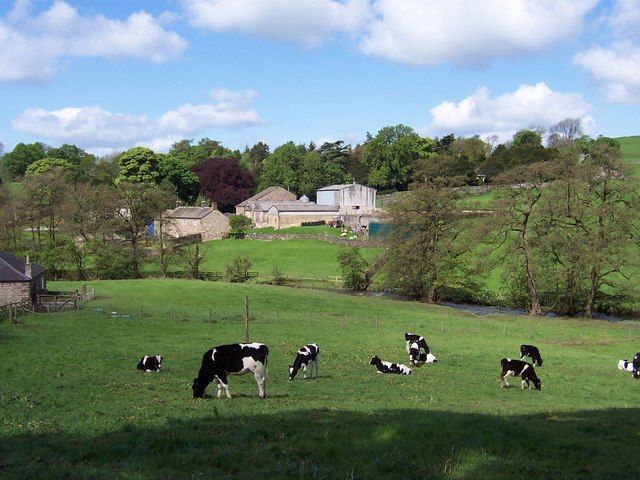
[
  {"x": 19, "y": 279},
  {"x": 279, "y": 208},
  {"x": 209, "y": 222}
]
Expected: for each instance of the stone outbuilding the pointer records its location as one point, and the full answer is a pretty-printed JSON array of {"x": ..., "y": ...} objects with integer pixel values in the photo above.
[
  {"x": 19, "y": 279},
  {"x": 351, "y": 198},
  {"x": 294, "y": 214},
  {"x": 209, "y": 222},
  {"x": 271, "y": 194}
]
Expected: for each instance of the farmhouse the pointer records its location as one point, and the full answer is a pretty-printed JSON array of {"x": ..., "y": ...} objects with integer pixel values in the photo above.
[
  {"x": 20, "y": 279},
  {"x": 209, "y": 222},
  {"x": 271, "y": 194}
]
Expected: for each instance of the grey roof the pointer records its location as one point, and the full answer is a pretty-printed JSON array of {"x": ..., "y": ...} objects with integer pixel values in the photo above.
[
  {"x": 304, "y": 207},
  {"x": 12, "y": 269},
  {"x": 190, "y": 212},
  {"x": 338, "y": 187},
  {"x": 259, "y": 195}
]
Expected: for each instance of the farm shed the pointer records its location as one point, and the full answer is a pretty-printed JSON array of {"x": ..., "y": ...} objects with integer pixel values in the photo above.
[
  {"x": 294, "y": 214},
  {"x": 20, "y": 279},
  {"x": 271, "y": 194},
  {"x": 207, "y": 221},
  {"x": 352, "y": 199}
]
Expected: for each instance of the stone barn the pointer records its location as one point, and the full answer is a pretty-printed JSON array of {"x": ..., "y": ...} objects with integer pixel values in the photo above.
[
  {"x": 20, "y": 279},
  {"x": 351, "y": 198},
  {"x": 251, "y": 206},
  {"x": 209, "y": 222}
]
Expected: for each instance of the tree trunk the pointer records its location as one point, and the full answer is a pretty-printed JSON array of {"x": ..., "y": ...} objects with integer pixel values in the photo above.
[{"x": 528, "y": 269}]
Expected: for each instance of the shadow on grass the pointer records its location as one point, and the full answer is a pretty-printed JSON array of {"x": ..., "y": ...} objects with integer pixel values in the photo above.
[{"x": 407, "y": 444}]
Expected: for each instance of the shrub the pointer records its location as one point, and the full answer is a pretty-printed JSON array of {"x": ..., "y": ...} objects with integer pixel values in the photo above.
[
  {"x": 114, "y": 262},
  {"x": 278, "y": 277},
  {"x": 238, "y": 224},
  {"x": 238, "y": 270},
  {"x": 354, "y": 269}
]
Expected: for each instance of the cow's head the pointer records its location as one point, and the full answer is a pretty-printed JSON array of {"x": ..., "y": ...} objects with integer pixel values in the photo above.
[
  {"x": 198, "y": 388},
  {"x": 292, "y": 372},
  {"x": 374, "y": 360},
  {"x": 537, "y": 383}
]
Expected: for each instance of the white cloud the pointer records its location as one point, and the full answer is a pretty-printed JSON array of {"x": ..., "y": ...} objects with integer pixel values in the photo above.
[
  {"x": 420, "y": 32},
  {"x": 32, "y": 47},
  {"x": 304, "y": 21},
  {"x": 479, "y": 114},
  {"x": 616, "y": 67},
  {"x": 94, "y": 128}
]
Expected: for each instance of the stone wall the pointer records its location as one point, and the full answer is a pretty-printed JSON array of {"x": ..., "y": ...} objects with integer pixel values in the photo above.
[
  {"x": 14, "y": 292},
  {"x": 358, "y": 242},
  {"x": 215, "y": 226}
]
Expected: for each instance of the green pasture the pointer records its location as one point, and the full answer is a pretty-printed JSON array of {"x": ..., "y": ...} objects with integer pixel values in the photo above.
[
  {"x": 631, "y": 151},
  {"x": 295, "y": 257},
  {"x": 312, "y": 230},
  {"x": 74, "y": 406}
]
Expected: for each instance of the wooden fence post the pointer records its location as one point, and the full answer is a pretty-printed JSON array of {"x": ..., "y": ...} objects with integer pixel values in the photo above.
[
  {"x": 141, "y": 312},
  {"x": 246, "y": 319}
]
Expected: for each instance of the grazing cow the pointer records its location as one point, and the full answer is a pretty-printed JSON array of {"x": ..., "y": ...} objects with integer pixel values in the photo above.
[
  {"x": 388, "y": 367},
  {"x": 521, "y": 369},
  {"x": 418, "y": 350},
  {"x": 532, "y": 352},
  {"x": 234, "y": 359},
  {"x": 307, "y": 357},
  {"x": 150, "y": 363}
]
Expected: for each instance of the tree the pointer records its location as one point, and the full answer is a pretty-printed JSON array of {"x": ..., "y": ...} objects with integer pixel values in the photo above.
[
  {"x": 425, "y": 247},
  {"x": 238, "y": 270},
  {"x": 565, "y": 132},
  {"x": 391, "y": 155},
  {"x": 354, "y": 269},
  {"x": 527, "y": 137},
  {"x": 238, "y": 225},
  {"x": 176, "y": 174},
  {"x": 336, "y": 152},
  {"x": 16, "y": 161},
  {"x": 281, "y": 168},
  {"x": 224, "y": 181},
  {"x": 49, "y": 163},
  {"x": 206, "y": 148},
  {"x": 138, "y": 165},
  {"x": 316, "y": 172}
]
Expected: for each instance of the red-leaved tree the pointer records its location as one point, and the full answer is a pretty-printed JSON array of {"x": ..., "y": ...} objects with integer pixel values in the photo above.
[{"x": 224, "y": 181}]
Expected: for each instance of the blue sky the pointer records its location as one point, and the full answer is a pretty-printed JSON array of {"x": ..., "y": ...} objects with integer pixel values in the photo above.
[{"x": 108, "y": 75}]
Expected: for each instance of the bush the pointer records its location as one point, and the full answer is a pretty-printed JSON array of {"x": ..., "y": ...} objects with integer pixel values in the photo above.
[
  {"x": 238, "y": 270},
  {"x": 114, "y": 262},
  {"x": 354, "y": 269},
  {"x": 278, "y": 277},
  {"x": 238, "y": 224}
]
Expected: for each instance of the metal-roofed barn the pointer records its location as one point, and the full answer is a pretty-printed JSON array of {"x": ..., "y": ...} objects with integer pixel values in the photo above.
[{"x": 352, "y": 198}]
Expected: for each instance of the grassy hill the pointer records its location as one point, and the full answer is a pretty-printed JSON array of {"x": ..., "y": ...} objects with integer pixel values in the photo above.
[
  {"x": 74, "y": 406},
  {"x": 631, "y": 151}
]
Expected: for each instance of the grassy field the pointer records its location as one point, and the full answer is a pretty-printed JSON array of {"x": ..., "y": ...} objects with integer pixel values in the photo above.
[
  {"x": 73, "y": 405},
  {"x": 631, "y": 151},
  {"x": 296, "y": 257},
  {"x": 313, "y": 230}
]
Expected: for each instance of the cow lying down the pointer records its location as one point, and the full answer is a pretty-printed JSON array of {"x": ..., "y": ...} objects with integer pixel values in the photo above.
[
  {"x": 150, "y": 363},
  {"x": 388, "y": 367},
  {"x": 518, "y": 368},
  {"x": 418, "y": 350},
  {"x": 234, "y": 359},
  {"x": 631, "y": 366}
]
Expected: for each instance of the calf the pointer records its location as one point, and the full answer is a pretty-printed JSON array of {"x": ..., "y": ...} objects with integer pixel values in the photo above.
[
  {"x": 521, "y": 369},
  {"x": 532, "y": 352},
  {"x": 631, "y": 366},
  {"x": 418, "y": 358},
  {"x": 234, "y": 359},
  {"x": 150, "y": 363},
  {"x": 625, "y": 365},
  {"x": 388, "y": 367},
  {"x": 307, "y": 357}
]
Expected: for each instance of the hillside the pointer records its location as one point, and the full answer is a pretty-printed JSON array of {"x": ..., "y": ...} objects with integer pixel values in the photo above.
[
  {"x": 74, "y": 406},
  {"x": 631, "y": 151}
]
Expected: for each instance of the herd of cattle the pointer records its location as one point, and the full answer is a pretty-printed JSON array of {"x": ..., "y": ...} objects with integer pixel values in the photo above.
[{"x": 242, "y": 358}]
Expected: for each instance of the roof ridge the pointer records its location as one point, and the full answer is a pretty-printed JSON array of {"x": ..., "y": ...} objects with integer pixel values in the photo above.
[{"x": 15, "y": 269}]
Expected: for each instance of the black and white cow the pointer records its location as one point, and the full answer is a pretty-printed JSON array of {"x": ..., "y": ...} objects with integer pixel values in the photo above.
[
  {"x": 234, "y": 359},
  {"x": 625, "y": 365},
  {"x": 388, "y": 367},
  {"x": 307, "y": 357},
  {"x": 632, "y": 366},
  {"x": 532, "y": 352},
  {"x": 150, "y": 363},
  {"x": 518, "y": 368},
  {"x": 418, "y": 350}
]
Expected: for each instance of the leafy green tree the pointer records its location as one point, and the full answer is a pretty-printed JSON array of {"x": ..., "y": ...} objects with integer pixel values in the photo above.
[
  {"x": 49, "y": 163},
  {"x": 237, "y": 271},
  {"x": 138, "y": 165},
  {"x": 316, "y": 172},
  {"x": 354, "y": 269},
  {"x": 238, "y": 225},
  {"x": 391, "y": 155},
  {"x": 336, "y": 152},
  {"x": 16, "y": 161},
  {"x": 175, "y": 173},
  {"x": 281, "y": 167}
]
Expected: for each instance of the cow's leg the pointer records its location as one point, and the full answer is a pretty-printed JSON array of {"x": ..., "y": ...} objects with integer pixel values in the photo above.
[
  {"x": 503, "y": 378},
  {"x": 258, "y": 374},
  {"x": 304, "y": 370},
  {"x": 219, "y": 389},
  {"x": 524, "y": 382},
  {"x": 222, "y": 381}
]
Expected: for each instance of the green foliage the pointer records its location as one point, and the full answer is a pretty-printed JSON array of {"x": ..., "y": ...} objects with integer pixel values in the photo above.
[
  {"x": 16, "y": 161},
  {"x": 114, "y": 261},
  {"x": 278, "y": 276},
  {"x": 354, "y": 269},
  {"x": 237, "y": 271},
  {"x": 177, "y": 174},
  {"x": 316, "y": 172},
  {"x": 281, "y": 167},
  {"x": 527, "y": 137},
  {"x": 138, "y": 165},
  {"x": 50, "y": 163},
  {"x": 239, "y": 225}
]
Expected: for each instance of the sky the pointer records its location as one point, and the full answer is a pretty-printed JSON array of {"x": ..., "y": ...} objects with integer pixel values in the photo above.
[{"x": 109, "y": 75}]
